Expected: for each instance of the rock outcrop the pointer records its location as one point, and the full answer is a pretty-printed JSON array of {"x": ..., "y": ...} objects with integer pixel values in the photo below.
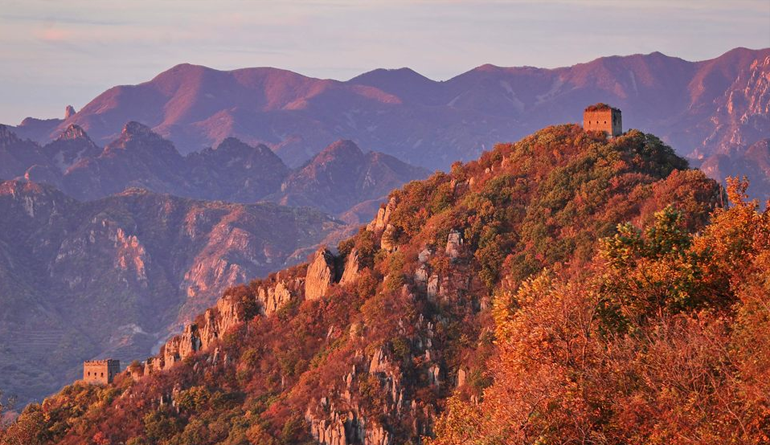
[
  {"x": 272, "y": 298},
  {"x": 337, "y": 418},
  {"x": 350, "y": 273},
  {"x": 197, "y": 336},
  {"x": 320, "y": 274},
  {"x": 347, "y": 429},
  {"x": 389, "y": 238},
  {"x": 453, "y": 244},
  {"x": 69, "y": 111},
  {"x": 382, "y": 219},
  {"x": 381, "y": 226}
]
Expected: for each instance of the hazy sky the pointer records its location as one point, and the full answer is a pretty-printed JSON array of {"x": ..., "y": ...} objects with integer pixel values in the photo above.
[{"x": 59, "y": 52}]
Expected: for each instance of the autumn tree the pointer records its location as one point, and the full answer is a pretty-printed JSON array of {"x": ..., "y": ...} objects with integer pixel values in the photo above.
[{"x": 662, "y": 339}]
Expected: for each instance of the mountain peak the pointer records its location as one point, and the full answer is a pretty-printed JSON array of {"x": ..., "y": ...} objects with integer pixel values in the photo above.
[
  {"x": 341, "y": 148},
  {"x": 69, "y": 111},
  {"x": 404, "y": 74},
  {"x": 183, "y": 69},
  {"x": 404, "y": 83},
  {"x": 342, "y": 176},
  {"x": 137, "y": 137},
  {"x": 236, "y": 146},
  {"x": 232, "y": 143},
  {"x": 487, "y": 67},
  {"x": 134, "y": 128},
  {"x": 7, "y": 136},
  {"x": 198, "y": 106},
  {"x": 72, "y": 132}
]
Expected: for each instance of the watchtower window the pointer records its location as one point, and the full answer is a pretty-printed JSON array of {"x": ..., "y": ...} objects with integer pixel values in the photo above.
[{"x": 102, "y": 374}]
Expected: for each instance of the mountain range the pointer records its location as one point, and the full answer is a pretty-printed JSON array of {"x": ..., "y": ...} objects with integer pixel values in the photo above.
[
  {"x": 337, "y": 179},
  {"x": 706, "y": 108},
  {"x": 116, "y": 275}
]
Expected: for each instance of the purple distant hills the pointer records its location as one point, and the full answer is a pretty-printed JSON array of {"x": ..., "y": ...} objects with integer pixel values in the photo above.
[{"x": 337, "y": 179}]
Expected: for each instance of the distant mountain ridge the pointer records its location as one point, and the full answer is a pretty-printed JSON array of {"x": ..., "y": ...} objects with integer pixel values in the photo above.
[
  {"x": 700, "y": 108},
  {"x": 754, "y": 162},
  {"x": 334, "y": 182},
  {"x": 342, "y": 166}
]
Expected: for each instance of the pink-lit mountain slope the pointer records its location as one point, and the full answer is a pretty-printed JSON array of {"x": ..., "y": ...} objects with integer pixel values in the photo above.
[{"x": 700, "y": 108}]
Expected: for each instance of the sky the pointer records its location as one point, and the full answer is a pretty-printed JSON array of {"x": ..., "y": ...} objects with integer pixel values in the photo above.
[{"x": 55, "y": 53}]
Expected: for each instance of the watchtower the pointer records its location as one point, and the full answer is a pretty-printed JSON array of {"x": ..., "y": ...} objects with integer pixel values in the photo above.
[
  {"x": 100, "y": 371},
  {"x": 602, "y": 117}
]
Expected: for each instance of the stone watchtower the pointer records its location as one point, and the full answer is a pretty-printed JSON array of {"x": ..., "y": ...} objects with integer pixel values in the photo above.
[
  {"x": 602, "y": 117},
  {"x": 100, "y": 371}
]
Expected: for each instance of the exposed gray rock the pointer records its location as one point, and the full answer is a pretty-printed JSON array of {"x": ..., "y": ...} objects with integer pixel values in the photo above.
[
  {"x": 388, "y": 240},
  {"x": 453, "y": 244}
]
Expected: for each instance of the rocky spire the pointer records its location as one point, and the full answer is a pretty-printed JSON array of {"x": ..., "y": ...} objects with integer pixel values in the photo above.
[
  {"x": 72, "y": 132},
  {"x": 69, "y": 112},
  {"x": 320, "y": 275},
  {"x": 135, "y": 129}
]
